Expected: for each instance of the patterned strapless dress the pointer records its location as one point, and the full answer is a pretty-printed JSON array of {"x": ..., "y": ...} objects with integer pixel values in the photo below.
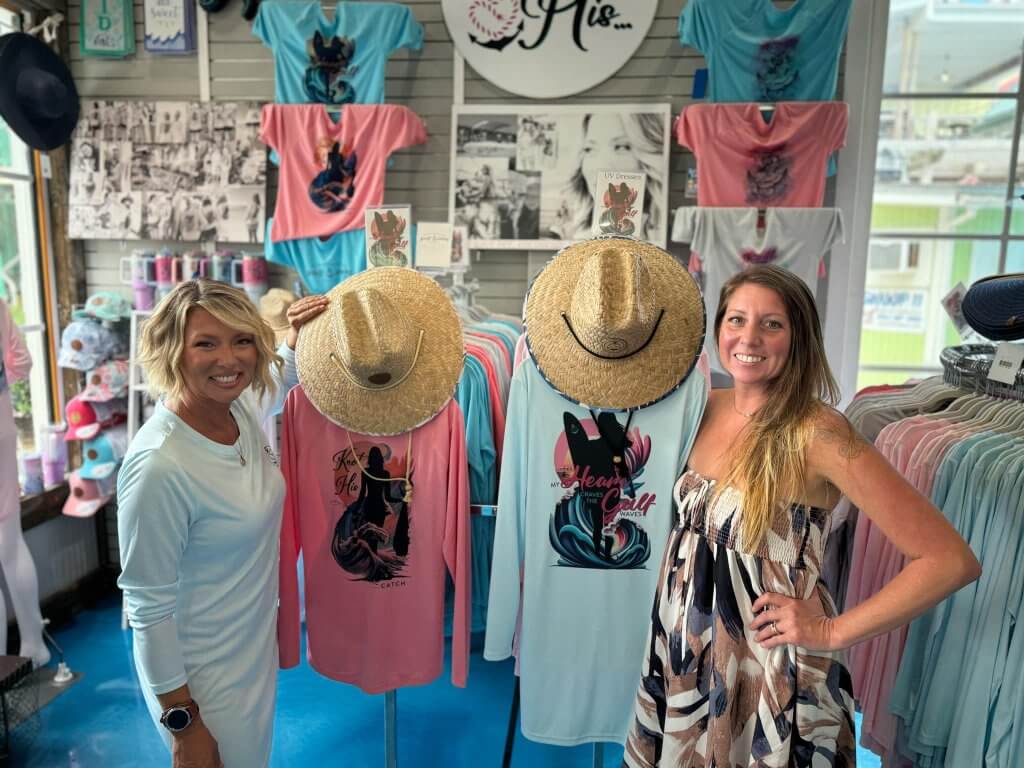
[{"x": 709, "y": 694}]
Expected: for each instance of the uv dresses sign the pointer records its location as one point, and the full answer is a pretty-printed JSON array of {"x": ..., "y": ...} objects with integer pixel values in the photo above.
[{"x": 548, "y": 48}]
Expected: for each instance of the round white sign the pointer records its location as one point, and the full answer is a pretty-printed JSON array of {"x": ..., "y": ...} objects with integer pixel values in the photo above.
[{"x": 546, "y": 49}]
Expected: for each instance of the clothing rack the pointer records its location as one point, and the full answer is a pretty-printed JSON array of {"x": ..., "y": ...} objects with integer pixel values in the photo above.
[{"x": 967, "y": 366}]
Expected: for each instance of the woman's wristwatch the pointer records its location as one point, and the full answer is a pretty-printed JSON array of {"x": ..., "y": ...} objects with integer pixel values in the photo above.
[{"x": 177, "y": 717}]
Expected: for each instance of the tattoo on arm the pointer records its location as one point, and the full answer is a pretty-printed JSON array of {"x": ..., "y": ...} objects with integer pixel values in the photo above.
[{"x": 851, "y": 443}]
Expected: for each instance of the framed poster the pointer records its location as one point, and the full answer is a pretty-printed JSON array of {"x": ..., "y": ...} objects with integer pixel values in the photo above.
[
  {"x": 106, "y": 28},
  {"x": 524, "y": 176},
  {"x": 170, "y": 26},
  {"x": 546, "y": 49},
  {"x": 168, "y": 170},
  {"x": 619, "y": 203},
  {"x": 387, "y": 238}
]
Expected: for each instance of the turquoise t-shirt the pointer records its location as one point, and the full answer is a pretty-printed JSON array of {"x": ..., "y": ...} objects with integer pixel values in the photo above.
[
  {"x": 333, "y": 62},
  {"x": 757, "y": 52},
  {"x": 588, "y": 541},
  {"x": 474, "y": 400}
]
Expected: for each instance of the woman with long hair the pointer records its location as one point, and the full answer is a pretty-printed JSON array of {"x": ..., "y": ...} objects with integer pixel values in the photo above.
[
  {"x": 612, "y": 142},
  {"x": 744, "y": 661}
]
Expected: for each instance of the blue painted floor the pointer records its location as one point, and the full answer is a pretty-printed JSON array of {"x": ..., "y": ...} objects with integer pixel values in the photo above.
[{"x": 101, "y": 722}]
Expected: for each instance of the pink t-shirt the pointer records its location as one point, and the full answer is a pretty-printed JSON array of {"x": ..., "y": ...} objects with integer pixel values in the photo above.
[
  {"x": 744, "y": 161},
  {"x": 374, "y": 563},
  {"x": 332, "y": 170}
]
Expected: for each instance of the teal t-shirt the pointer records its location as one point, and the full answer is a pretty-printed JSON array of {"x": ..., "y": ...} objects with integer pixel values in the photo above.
[
  {"x": 333, "y": 62},
  {"x": 757, "y": 52}
]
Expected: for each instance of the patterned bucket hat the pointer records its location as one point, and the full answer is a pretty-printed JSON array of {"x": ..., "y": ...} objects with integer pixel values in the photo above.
[
  {"x": 106, "y": 382},
  {"x": 85, "y": 344},
  {"x": 104, "y": 305}
]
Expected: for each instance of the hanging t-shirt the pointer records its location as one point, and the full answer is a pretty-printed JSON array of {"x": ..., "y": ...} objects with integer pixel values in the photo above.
[
  {"x": 588, "y": 540},
  {"x": 746, "y": 157},
  {"x": 374, "y": 557},
  {"x": 724, "y": 241},
  {"x": 331, "y": 171},
  {"x": 322, "y": 263},
  {"x": 333, "y": 62},
  {"x": 756, "y": 51}
]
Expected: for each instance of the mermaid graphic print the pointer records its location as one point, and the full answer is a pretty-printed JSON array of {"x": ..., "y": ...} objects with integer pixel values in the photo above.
[{"x": 600, "y": 467}]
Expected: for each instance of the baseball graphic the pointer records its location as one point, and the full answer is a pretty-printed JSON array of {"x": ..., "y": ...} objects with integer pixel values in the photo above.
[{"x": 495, "y": 23}]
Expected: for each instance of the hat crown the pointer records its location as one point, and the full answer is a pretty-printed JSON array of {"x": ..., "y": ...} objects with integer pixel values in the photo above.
[
  {"x": 376, "y": 342},
  {"x": 42, "y": 93},
  {"x": 614, "y": 304}
]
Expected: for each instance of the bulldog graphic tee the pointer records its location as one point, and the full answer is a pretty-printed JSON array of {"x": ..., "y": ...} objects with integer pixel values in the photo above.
[
  {"x": 331, "y": 170},
  {"x": 339, "y": 61},
  {"x": 584, "y": 512},
  {"x": 378, "y": 530},
  {"x": 746, "y": 157},
  {"x": 724, "y": 241},
  {"x": 756, "y": 51}
]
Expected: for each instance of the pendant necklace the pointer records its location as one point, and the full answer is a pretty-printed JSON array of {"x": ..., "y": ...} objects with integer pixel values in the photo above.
[
  {"x": 406, "y": 481},
  {"x": 742, "y": 413}
]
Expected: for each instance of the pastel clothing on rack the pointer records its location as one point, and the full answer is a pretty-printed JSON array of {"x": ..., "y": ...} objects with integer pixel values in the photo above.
[
  {"x": 748, "y": 158},
  {"x": 756, "y": 51},
  {"x": 199, "y": 531},
  {"x": 474, "y": 399},
  {"x": 709, "y": 694},
  {"x": 576, "y": 548},
  {"x": 725, "y": 241},
  {"x": 15, "y": 362},
  {"x": 375, "y": 555},
  {"x": 336, "y": 61},
  {"x": 322, "y": 262},
  {"x": 331, "y": 170}
]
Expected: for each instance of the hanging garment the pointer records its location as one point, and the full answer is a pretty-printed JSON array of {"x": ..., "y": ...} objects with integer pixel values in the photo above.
[
  {"x": 332, "y": 170},
  {"x": 474, "y": 400},
  {"x": 333, "y": 62},
  {"x": 748, "y": 158},
  {"x": 756, "y": 51},
  {"x": 374, "y": 555},
  {"x": 710, "y": 695},
  {"x": 199, "y": 533},
  {"x": 322, "y": 263},
  {"x": 725, "y": 241},
  {"x": 586, "y": 538}
]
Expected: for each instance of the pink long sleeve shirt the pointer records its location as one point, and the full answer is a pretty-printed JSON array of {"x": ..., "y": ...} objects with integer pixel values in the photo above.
[{"x": 374, "y": 564}]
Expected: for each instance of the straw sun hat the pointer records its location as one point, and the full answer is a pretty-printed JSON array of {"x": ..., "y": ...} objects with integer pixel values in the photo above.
[
  {"x": 386, "y": 355},
  {"x": 274, "y": 306},
  {"x": 614, "y": 323}
]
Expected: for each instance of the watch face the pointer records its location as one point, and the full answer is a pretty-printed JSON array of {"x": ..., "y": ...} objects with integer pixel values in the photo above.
[{"x": 177, "y": 719}]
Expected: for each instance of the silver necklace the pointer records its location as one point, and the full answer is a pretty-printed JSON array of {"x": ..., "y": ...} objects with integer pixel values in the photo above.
[
  {"x": 241, "y": 458},
  {"x": 742, "y": 413}
]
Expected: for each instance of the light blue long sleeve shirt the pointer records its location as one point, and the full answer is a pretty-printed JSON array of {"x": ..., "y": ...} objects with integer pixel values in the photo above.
[{"x": 586, "y": 598}]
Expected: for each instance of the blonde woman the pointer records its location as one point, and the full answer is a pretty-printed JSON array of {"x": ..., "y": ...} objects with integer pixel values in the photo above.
[
  {"x": 199, "y": 514},
  {"x": 743, "y": 665},
  {"x": 611, "y": 142}
]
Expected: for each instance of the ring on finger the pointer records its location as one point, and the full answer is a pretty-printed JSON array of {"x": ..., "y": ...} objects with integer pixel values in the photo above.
[{"x": 775, "y": 629}]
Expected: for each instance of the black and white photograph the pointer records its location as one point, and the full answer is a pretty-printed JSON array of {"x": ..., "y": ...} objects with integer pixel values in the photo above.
[
  {"x": 524, "y": 177},
  {"x": 168, "y": 171}
]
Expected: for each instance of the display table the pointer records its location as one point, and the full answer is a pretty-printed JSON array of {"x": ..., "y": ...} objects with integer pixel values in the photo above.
[{"x": 13, "y": 669}]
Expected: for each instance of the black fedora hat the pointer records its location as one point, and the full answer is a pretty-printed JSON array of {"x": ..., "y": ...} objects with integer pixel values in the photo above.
[
  {"x": 994, "y": 307},
  {"x": 38, "y": 98}
]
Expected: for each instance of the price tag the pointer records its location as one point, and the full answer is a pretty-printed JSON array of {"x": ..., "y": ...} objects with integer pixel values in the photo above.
[
  {"x": 1007, "y": 362},
  {"x": 951, "y": 302}
]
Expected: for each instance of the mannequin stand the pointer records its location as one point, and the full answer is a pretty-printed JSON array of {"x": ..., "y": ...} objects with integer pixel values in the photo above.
[{"x": 391, "y": 729}]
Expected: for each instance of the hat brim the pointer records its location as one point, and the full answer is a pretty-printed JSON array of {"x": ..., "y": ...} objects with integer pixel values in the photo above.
[
  {"x": 636, "y": 381},
  {"x": 994, "y": 307},
  {"x": 99, "y": 471},
  {"x": 84, "y": 507},
  {"x": 17, "y": 51},
  {"x": 425, "y": 391},
  {"x": 84, "y": 432}
]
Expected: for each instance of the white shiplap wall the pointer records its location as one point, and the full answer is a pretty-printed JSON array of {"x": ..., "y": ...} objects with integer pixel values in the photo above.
[{"x": 241, "y": 68}]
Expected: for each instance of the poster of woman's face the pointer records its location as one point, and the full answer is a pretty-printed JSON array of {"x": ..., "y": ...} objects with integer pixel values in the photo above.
[{"x": 524, "y": 177}]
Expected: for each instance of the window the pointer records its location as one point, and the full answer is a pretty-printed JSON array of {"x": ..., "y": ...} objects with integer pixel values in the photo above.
[
  {"x": 20, "y": 275},
  {"x": 949, "y": 175}
]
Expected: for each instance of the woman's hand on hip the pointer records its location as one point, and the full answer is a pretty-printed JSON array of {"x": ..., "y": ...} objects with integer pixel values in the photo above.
[
  {"x": 301, "y": 312},
  {"x": 781, "y": 620},
  {"x": 195, "y": 747}
]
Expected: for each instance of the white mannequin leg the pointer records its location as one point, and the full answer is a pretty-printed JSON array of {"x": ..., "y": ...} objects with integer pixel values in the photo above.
[{"x": 16, "y": 561}]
